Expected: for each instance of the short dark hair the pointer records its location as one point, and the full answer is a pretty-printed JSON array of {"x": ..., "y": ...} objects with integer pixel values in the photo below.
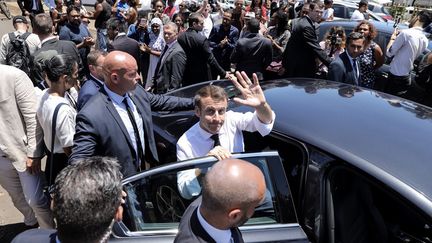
[
  {"x": 194, "y": 18},
  {"x": 59, "y": 65},
  {"x": 253, "y": 25},
  {"x": 86, "y": 196},
  {"x": 425, "y": 17},
  {"x": 116, "y": 24},
  {"x": 355, "y": 36},
  {"x": 316, "y": 5},
  {"x": 94, "y": 55},
  {"x": 213, "y": 91},
  {"x": 362, "y": 3},
  {"x": 71, "y": 8},
  {"x": 42, "y": 24}
]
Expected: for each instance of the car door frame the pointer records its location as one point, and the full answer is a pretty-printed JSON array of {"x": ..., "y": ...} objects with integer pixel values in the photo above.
[{"x": 282, "y": 230}]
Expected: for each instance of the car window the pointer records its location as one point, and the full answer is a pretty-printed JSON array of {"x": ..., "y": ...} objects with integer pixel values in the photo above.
[
  {"x": 379, "y": 213},
  {"x": 157, "y": 201},
  {"x": 339, "y": 11}
]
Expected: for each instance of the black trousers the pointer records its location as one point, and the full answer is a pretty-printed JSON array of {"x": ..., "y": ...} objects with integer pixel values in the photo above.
[
  {"x": 60, "y": 161},
  {"x": 397, "y": 85}
]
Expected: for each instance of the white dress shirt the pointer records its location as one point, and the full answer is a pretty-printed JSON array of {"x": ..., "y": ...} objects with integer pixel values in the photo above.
[
  {"x": 117, "y": 101},
  {"x": 409, "y": 44},
  {"x": 220, "y": 236},
  {"x": 196, "y": 142},
  {"x": 356, "y": 67},
  {"x": 357, "y": 15}
]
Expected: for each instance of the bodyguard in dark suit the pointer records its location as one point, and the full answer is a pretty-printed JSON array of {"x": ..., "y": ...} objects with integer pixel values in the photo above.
[
  {"x": 30, "y": 7},
  {"x": 120, "y": 42},
  {"x": 94, "y": 81},
  {"x": 117, "y": 121},
  {"x": 231, "y": 191},
  {"x": 50, "y": 46},
  {"x": 200, "y": 60},
  {"x": 253, "y": 53},
  {"x": 345, "y": 68},
  {"x": 302, "y": 49},
  {"x": 170, "y": 68}
]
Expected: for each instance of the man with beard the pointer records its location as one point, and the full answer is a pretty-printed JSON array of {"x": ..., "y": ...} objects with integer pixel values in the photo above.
[
  {"x": 78, "y": 33},
  {"x": 231, "y": 191},
  {"x": 223, "y": 39}
]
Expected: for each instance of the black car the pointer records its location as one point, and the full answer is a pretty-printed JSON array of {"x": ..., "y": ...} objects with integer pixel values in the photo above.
[{"x": 342, "y": 164}]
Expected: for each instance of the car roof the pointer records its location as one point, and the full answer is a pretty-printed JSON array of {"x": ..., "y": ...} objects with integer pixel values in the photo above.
[
  {"x": 370, "y": 129},
  {"x": 383, "y": 135},
  {"x": 386, "y": 27}
]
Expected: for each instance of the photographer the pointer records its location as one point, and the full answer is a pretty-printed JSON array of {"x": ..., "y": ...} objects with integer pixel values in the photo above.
[{"x": 333, "y": 44}]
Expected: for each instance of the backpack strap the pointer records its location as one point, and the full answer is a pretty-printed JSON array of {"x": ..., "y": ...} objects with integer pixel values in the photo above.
[
  {"x": 25, "y": 35},
  {"x": 53, "y": 134},
  {"x": 12, "y": 36}
]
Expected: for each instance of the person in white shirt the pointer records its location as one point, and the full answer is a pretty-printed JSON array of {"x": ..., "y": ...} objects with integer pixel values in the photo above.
[
  {"x": 21, "y": 26},
  {"x": 404, "y": 47},
  {"x": 61, "y": 71},
  {"x": 328, "y": 12},
  {"x": 219, "y": 132},
  {"x": 359, "y": 14},
  {"x": 205, "y": 10}
]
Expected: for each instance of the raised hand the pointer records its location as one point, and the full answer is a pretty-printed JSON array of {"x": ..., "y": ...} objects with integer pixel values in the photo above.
[{"x": 251, "y": 93}]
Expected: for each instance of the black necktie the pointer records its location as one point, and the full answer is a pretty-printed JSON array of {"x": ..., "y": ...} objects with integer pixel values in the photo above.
[
  {"x": 136, "y": 131},
  {"x": 160, "y": 61},
  {"x": 356, "y": 73},
  {"x": 215, "y": 138}
]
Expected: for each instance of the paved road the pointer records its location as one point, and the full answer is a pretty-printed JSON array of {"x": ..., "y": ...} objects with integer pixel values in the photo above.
[{"x": 8, "y": 213}]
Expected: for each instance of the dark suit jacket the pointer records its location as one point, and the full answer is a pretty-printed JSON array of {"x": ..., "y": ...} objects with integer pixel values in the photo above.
[
  {"x": 302, "y": 49},
  {"x": 191, "y": 230},
  {"x": 199, "y": 60},
  {"x": 341, "y": 70},
  {"x": 126, "y": 44},
  {"x": 171, "y": 71},
  {"x": 90, "y": 88},
  {"x": 28, "y": 5},
  {"x": 49, "y": 49},
  {"x": 100, "y": 130},
  {"x": 253, "y": 53}
]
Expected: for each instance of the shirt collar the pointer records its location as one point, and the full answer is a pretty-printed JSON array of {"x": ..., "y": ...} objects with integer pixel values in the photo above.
[
  {"x": 206, "y": 134},
  {"x": 97, "y": 80},
  {"x": 349, "y": 57},
  {"x": 171, "y": 44},
  {"x": 47, "y": 39},
  {"x": 217, "y": 234},
  {"x": 119, "y": 35},
  {"x": 118, "y": 99}
]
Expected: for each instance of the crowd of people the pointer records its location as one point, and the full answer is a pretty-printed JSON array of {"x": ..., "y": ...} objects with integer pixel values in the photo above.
[{"x": 77, "y": 96}]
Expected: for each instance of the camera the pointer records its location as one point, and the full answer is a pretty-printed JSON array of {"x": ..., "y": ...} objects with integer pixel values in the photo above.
[{"x": 335, "y": 40}]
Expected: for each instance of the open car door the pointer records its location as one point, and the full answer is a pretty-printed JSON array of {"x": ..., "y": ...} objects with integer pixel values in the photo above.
[{"x": 156, "y": 201}]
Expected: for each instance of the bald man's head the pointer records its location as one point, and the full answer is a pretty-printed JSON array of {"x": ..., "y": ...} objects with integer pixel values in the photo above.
[
  {"x": 231, "y": 184},
  {"x": 120, "y": 72}
]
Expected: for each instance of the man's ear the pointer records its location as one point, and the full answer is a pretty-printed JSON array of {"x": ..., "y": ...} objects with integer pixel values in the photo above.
[
  {"x": 119, "y": 214},
  {"x": 234, "y": 214},
  {"x": 197, "y": 111}
]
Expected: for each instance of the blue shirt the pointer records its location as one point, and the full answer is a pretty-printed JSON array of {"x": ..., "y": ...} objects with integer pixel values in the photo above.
[
  {"x": 122, "y": 7},
  {"x": 218, "y": 33},
  {"x": 140, "y": 36}
]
